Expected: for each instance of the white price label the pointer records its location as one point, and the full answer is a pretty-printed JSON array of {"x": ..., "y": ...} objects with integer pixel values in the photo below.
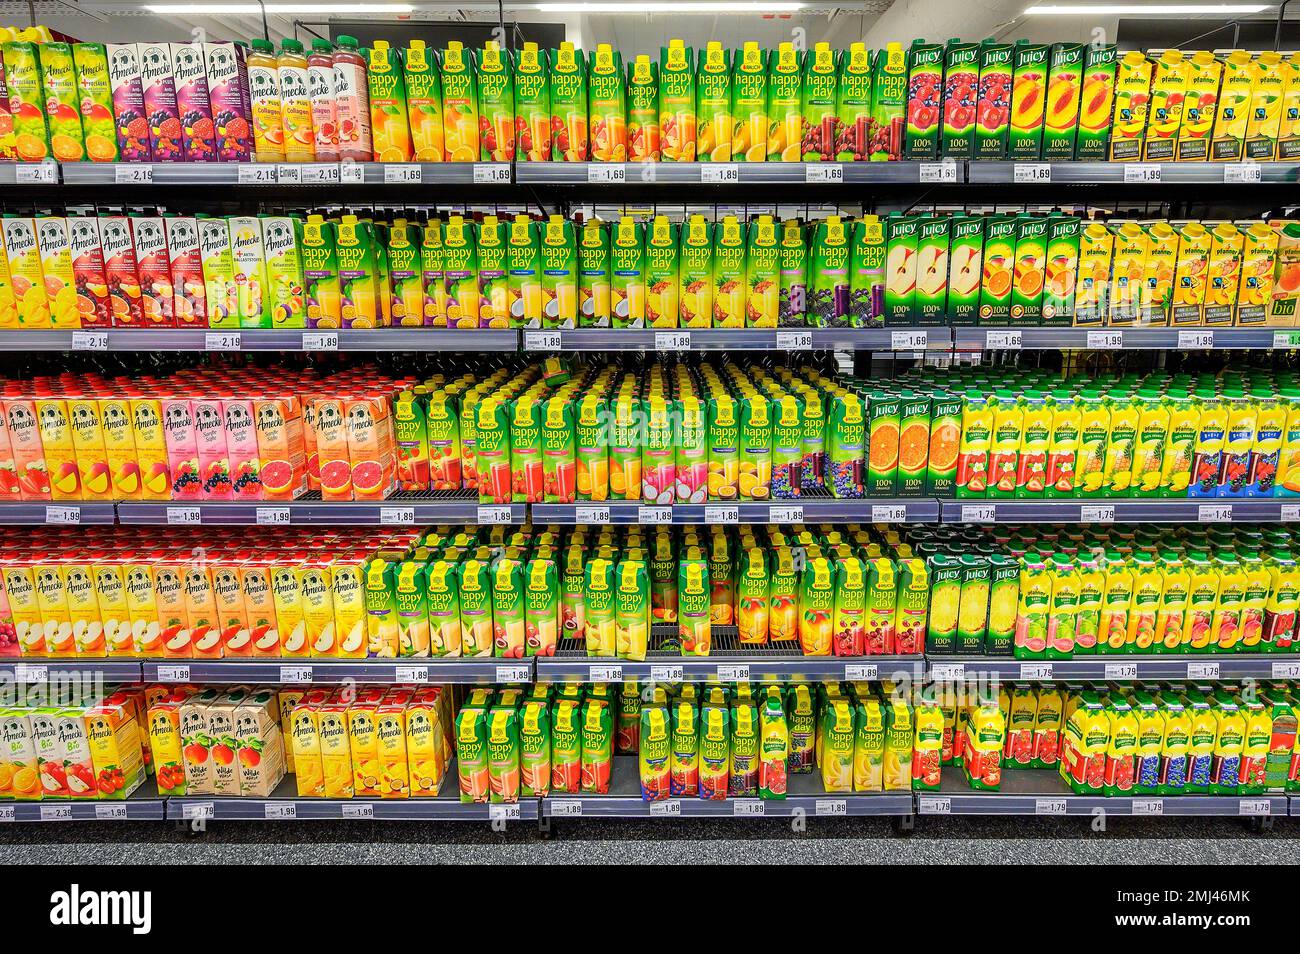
[
  {"x": 295, "y": 675},
  {"x": 860, "y": 672},
  {"x": 184, "y": 515},
  {"x": 606, "y": 172},
  {"x": 320, "y": 173},
  {"x": 363, "y": 810},
  {"x": 945, "y": 171},
  {"x": 1003, "y": 340},
  {"x": 110, "y": 812},
  {"x": 1286, "y": 670},
  {"x": 1148, "y": 806},
  {"x": 410, "y": 674},
  {"x": 823, "y": 172},
  {"x": 605, "y": 673},
  {"x": 948, "y": 672},
  {"x": 1105, "y": 340},
  {"x": 669, "y": 808},
  {"x": 133, "y": 174},
  {"x": 56, "y": 812},
  {"x": 1202, "y": 670},
  {"x": 262, "y": 173},
  {"x": 1290, "y": 513},
  {"x": 491, "y": 172},
  {"x": 566, "y": 808},
  {"x": 1089, "y": 513},
  {"x": 1195, "y": 339},
  {"x": 31, "y": 675},
  {"x": 1241, "y": 172},
  {"x": 779, "y": 514},
  {"x": 831, "y": 807},
  {"x": 1255, "y": 806},
  {"x": 721, "y": 513},
  {"x": 672, "y": 341},
  {"x": 403, "y": 172},
  {"x": 516, "y": 673},
  {"x": 222, "y": 341},
  {"x": 90, "y": 341},
  {"x": 979, "y": 513},
  {"x": 275, "y": 810},
  {"x": 1214, "y": 513},
  {"x": 542, "y": 341},
  {"x": 1286, "y": 339},
  {"x": 63, "y": 515},
  {"x": 1035, "y": 670},
  {"x": 1141, "y": 172},
  {"x": 1032, "y": 172},
  {"x": 504, "y": 812},
  {"x": 173, "y": 673},
  {"x": 747, "y": 807},
  {"x": 734, "y": 673},
  {"x": 654, "y": 515},
  {"x": 273, "y": 516},
  {"x": 911, "y": 340},
  {"x": 720, "y": 172},
  {"x": 397, "y": 516},
  {"x": 934, "y": 805},
  {"x": 667, "y": 673},
  {"x": 889, "y": 513},
  {"x": 1049, "y": 806},
  {"x": 587, "y": 514},
  {"x": 352, "y": 172},
  {"x": 193, "y": 810},
  {"x": 493, "y": 514},
  {"x": 794, "y": 340},
  {"x": 1121, "y": 670},
  {"x": 7, "y": 813},
  {"x": 32, "y": 173},
  {"x": 320, "y": 341}
]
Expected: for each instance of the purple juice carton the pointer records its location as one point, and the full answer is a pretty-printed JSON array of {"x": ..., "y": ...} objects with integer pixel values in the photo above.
[
  {"x": 190, "y": 78},
  {"x": 229, "y": 101},
  {"x": 160, "y": 101},
  {"x": 128, "y": 103}
]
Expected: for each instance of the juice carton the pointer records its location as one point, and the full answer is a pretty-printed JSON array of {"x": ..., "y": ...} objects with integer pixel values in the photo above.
[
  {"x": 496, "y": 104},
  {"x": 695, "y": 263},
  {"x": 52, "y": 243},
  {"x": 566, "y": 746},
  {"x": 993, "y": 107},
  {"x": 1223, "y": 273},
  {"x": 1007, "y": 437},
  {"x": 153, "y": 264},
  {"x": 189, "y": 301},
  {"x": 1004, "y": 594},
  {"x": 1232, "y": 112},
  {"x": 1062, "y": 110},
  {"x": 1033, "y": 611},
  {"x": 899, "y": 737},
  {"x": 423, "y": 88},
  {"x": 793, "y": 310},
  {"x": 460, "y": 273},
  {"x": 961, "y": 85},
  {"x": 493, "y": 249},
  {"x": 247, "y": 257},
  {"x": 1096, "y": 102},
  {"x": 594, "y": 277},
  {"x": 643, "y": 143},
  {"x": 1063, "y": 232},
  {"x": 661, "y": 276},
  {"x": 677, "y": 103},
  {"x": 317, "y": 255},
  {"x": 114, "y": 614},
  {"x": 817, "y": 597},
  {"x": 568, "y": 76},
  {"x": 25, "y": 274},
  {"x": 7, "y": 146},
  {"x": 1128, "y": 271},
  {"x": 83, "y": 610},
  {"x": 945, "y": 603},
  {"x": 389, "y": 126},
  {"x": 972, "y": 614},
  {"x": 838, "y": 736},
  {"x": 632, "y": 609},
  {"x": 1168, "y": 89},
  {"x": 1121, "y": 749},
  {"x": 1030, "y": 269},
  {"x": 924, "y": 93},
  {"x": 1096, "y": 244},
  {"x": 600, "y": 632},
  {"x": 22, "y": 66},
  {"x": 713, "y": 118},
  {"x": 743, "y": 767},
  {"x": 503, "y": 754},
  {"x": 729, "y": 284},
  {"x": 1132, "y": 102},
  {"x": 559, "y": 269},
  {"x": 84, "y": 417},
  {"x": 120, "y": 271},
  {"x": 534, "y": 749},
  {"x": 606, "y": 97},
  {"x": 508, "y": 609},
  {"x": 1286, "y": 277},
  {"x": 658, "y": 459},
  {"x": 597, "y": 746},
  {"x": 358, "y": 274},
  {"x": 1117, "y": 466},
  {"x": 1288, "y": 137},
  {"x": 193, "y": 103},
  {"x": 787, "y": 447},
  {"x": 966, "y": 266},
  {"x": 114, "y": 738},
  {"x": 532, "y": 113},
  {"x": 426, "y": 752},
  {"x": 999, "y": 262},
  {"x": 748, "y": 106},
  {"x": 1158, "y": 274},
  {"x": 257, "y": 731},
  {"x": 846, "y": 442},
  {"x": 982, "y": 745},
  {"x": 541, "y": 605},
  {"x": 1199, "y": 101},
  {"x": 460, "y": 105},
  {"x": 1021, "y": 714},
  {"x": 1035, "y": 446},
  {"x": 52, "y": 601},
  {"x": 1030, "y": 66},
  {"x": 159, "y": 91},
  {"x": 1194, "y": 245},
  {"x": 715, "y": 749},
  {"x": 55, "y": 429},
  {"x": 930, "y": 305},
  {"x": 627, "y": 274},
  {"x": 62, "y": 102},
  {"x": 693, "y": 595},
  {"x": 1266, "y": 97},
  {"x": 901, "y": 273},
  {"x": 229, "y": 98},
  {"x": 867, "y": 272},
  {"x": 1258, "y": 260},
  {"x": 785, "y": 104}
]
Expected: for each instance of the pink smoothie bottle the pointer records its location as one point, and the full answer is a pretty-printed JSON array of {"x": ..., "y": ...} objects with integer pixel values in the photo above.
[{"x": 352, "y": 95}]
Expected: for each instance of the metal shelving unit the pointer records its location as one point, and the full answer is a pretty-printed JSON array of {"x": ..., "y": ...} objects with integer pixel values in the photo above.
[
  {"x": 398, "y": 510},
  {"x": 734, "y": 173},
  {"x": 1131, "y": 173},
  {"x": 1119, "y": 510},
  {"x": 738, "y": 339},
  {"x": 819, "y": 507},
  {"x": 1113, "y": 667},
  {"x": 257, "y": 339},
  {"x": 144, "y": 804},
  {"x": 32, "y": 671},
  {"x": 34, "y": 513},
  {"x": 1030, "y": 338},
  {"x": 285, "y": 671},
  {"x": 282, "y": 174}
]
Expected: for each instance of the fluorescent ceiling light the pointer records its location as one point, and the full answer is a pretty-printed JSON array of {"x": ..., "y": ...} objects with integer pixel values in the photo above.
[
  {"x": 681, "y": 6},
  {"x": 237, "y": 9},
  {"x": 1143, "y": 9}
]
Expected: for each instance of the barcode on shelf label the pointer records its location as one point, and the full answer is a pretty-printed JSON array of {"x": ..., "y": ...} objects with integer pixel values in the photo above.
[
  {"x": 888, "y": 513},
  {"x": 831, "y": 807},
  {"x": 667, "y": 673},
  {"x": 363, "y": 810},
  {"x": 1032, "y": 172},
  {"x": 63, "y": 515},
  {"x": 934, "y": 805},
  {"x": 1241, "y": 172},
  {"x": 173, "y": 673},
  {"x": 1286, "y": 339},
  {"x": 222, "y": 341},
  {"x": 1214, "y": 513},
  {"x": 912, "y": 340},
  {"x": 294, "y": 675},
  {"x": 978, "y": 513},
  {"x": 860, "y": 672},
  {"x": 1196, "y": 339},
  {"x": 733, "y": 672},
  {"x": 397, "y": 516},
  {"x": 320, "y": 341},
  {"x": 493, "y": 514},
  {"x": 823, "y": 172},
  {"x": 403, "y": 172},
  {"x": 281, "y": 810},
  {"x": 1121, "y": 670},
  {"x": 948, "y": 672},
  {"x": 566, "y": 808},
  {"x": 1105, "y": 340},
  {"x": 584, "y": 514},
  {"x": 721, "y": 513},
  {"x": 778, "y": 514},
  {"x": 133, "y": 173},
  {"x": 1090, "y": 513},
  {"x": 491, "y": 172},
  {"x": 351, "y": 172},
  {"x": 747, "y": 807},
  {"x": 1141, "y": 172},
  {"x": 794, "y": 340},
  {"x": 1286, "y": 670},
  {"x": 1255, "y": 806},
  {"x": 605, "y": 673},
  {"x": 192, "y": 810},
  {"x": 257, "y": 173},
  {"x": 1049, "y": 806},
  {"x": 937, "y": 171},
  {"x": 31, "y": 675},
  {"x": 90, "y": 341},
  {"x": 110, "y": 812},
  {"x": 56, "y": 812},
  {"x": 29, "y": 173},
  {"x": 672, "y": 341},
  {"x": 516, "y": 673},
  {"x": 320, "y": 173},
  {"x": 1202, "y": 670},
  {"x": 184, "y": 515},
  {"x": 605, "y": 172},
  {"x": 273, "y": 516},
  {"x": 670, "y": 808},
  {"x": 542, "y": 340},
  {"x": 722, "y": 172},
  {"x": 411, "y": 674},
  {"x": 1035, "y": 670},
  {"x": 654, "y": 515},
  {"x": 1290, "y": 513},
  {"x": 1003, "y": 340},
  {"x": 504, "y": 812},
  {"x": 1148, "y": 806}
]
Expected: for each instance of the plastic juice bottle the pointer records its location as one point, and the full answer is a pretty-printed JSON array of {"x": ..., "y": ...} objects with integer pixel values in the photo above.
[
  {"x": 1151, "y": 438},
  {"x": 423, "y": 83},
  {"x": 1225, "y": 629},
  {"x": 496, "y": 104},
  {"x": 1117, "y": 471},
  {"x": 677, "y": 105},
  {"x": 1116, "y": 601},
  {"x": 322, "y": 83},
  {"x": 352, "y": 98},
  {"x": 606, "y": 97},
  {"x": 568, "y": 105},
  {"x": 532, "y": 104},
  {"x": 1202, "y": 603},
  {"x": 296, "y": 103},
  {"x": 264, "y": 89}
]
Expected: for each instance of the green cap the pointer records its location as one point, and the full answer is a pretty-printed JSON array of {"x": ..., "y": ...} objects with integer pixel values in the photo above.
[
  {"x": 290, "y": 46},
  {"x": 262, "y": 46}
]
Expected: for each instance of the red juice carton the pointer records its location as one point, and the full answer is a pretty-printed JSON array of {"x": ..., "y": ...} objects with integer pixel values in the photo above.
[
  {"x": 182, "y": 448},
  {"x": 128, "y": 103},
  {"x": 88, "y": 272},
  {"x": 160, "y": 101},
  {"x": 117, "y": 246},
  {"x": 228, "y": 101},
  {"x": 193, "y": 106},
  {"x": 154, "y": 266},
  {"x": 241, "y": 448},
  {"x": 189, "y": 298},
  {"x": 214, "y": 456}
]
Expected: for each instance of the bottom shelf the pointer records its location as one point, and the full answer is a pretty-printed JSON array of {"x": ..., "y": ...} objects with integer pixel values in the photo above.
[
  {"x": 1044, "y": 792},
  {"x": 145, "y": 804}
]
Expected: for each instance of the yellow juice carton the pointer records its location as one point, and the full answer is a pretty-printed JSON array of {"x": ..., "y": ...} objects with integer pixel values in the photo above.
[
  {"x": 119, "y": 448},
  {"x": 287, "y": 595},
  {"x": 55, "y": 427},
  {"x": 390, "y": 736},
  {"x": 425, "y": 755},
  {"x": 1132, "y": 97},
  {"x": 201, "y": 610},
  {"x": 26, "y": 278},
  {"x": 1158, "y": 274},
  {"x": 1117, "y": 468},
  {"x": 1194, "y": 244},
  {"x": 1232, "y": 113},
  {"x": 88, "y": 445},
  {"x": 1165, "y": 113},
  {"x": 314, "y": 583},
  {"x": 363, "y": 741},
  {"x": 1225, "y": 628},
  {"x": 1223, "y": 274},
  {"x": 1265, "y": 108},
  {"x": 1288, "y": 136},
  {"x": 1149, "y": 444},
  {"x": 114, "y": 613},
  {"x": 305, "y": 743},
  {"x": 1199, "y": 100},
  {"x": 1128, "y": 272},
  {"x": 83, "y": 609},
  {"x": 116, "y": 749},
  {"x": 347, "y": 591},
  {"x": 1258, "y": 261},
  {"x": 1148, "y": 590},
  {"x": 1176, "y": 462},
  {"x": 232, "y": 621},
  {"x": 19, "y": 764},
  {"x": 1096, "y": 246},
  {"x": 54, "y": 246},
  {"x": 332, "y": 728}
]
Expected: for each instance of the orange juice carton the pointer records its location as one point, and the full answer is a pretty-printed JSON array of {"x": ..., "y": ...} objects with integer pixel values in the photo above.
[
  {"x": 363, "y": 741},
  {"x": 88, "y": 445},
  {"x": 1223, "y": 273},
  {"x": 153, "y": 264},
  {"x": 201, "y": 610},
  {"x": 115, "y": 738},
  {"x": 121, "y": 271},
  {"x": 193, "y": 103},
  {"x": 53, "y": 244},
  {"x": 607, "y": 101},
  {"x": 256, "y": 587},
  {"x": 24, "y": 609},
  {"x": 238, "y": 415},
  {"x": 1165, "y": 114},
  {"x": 20, "y": 771},
  {"x": 370, "y": 447},
  {"x": 1158, "y": 273},
  {"x": 460, "y": 116},
  {"x": 84, "y": 250},
  {"x": 114, "y": 614},
  {"x": 424, "y": 102},
  {"x": 1132, "y": 100},
  {"x": 1194, "y": 243},
  {"x": 141, "y": 606},
  {"x": 228, "y": 599},
  {"x": 1258, "y": 260},
  {"x": 677, "y": 106},
  {"x": 83, "y": 610},
  {"x": 259, "y": 751},
  {"x": 643, "y": 110},
  {"x": 1266, "y": 98},
  {"x": 1199, "y": 100},
  {"x": 26, "y": 278},
  {"x": 28, "y": 453},
  {"x": 169, "y": 598},
  {"x": 281, "y": 451},
  {"x": 56, "y": 619},
  {"x": 60, "y": 457},
  {"x": 496, "y": 103},
  {"x": 286, "y": 593},
  {"x": 159, "y": 90},
  {"x": 389, "y": 125},
  {"x": 214, "y": 457},
  {"x": 315, "y": 584},
  {"x": 165, "y": 740},
  {"x": 182, "y": 448},
  {"x": 119, "y": 448},
  {"x": 189, "y": 291},
  {"x": 390, "y": 735},
  {"x": 1232, "y": 111}
]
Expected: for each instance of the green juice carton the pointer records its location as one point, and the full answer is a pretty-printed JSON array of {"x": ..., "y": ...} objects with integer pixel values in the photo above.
[
  {"x": 762, "y": 274},
  {"x": 389, "y": 122},
  {"x": 492, "y": 245},
  {"x": 532, "y": 105},
  {"x": 973, "y": 611},
  {"x": 431, "y": 266},
  {"x": 662, "y": 273},
  {"x": 881, "y": 605},
  {"x": 1062, "y": 267},
  {"x": 1096, "y": 102},
  {"x": 793, "y": 309},
  {"x": 654, "y": 753},
  {"x": 925, "y": 93},
  {"x": 846, "y": 443},
  {"x": 749, "y": 119},
  {"x": 221, "y": 292},
  {"x": 559, "y": 258},
  {"x": 787, "y": 446},
  {"x": 62, "y": 102},
  {"x": 600, "y": 628},
  {"x": 715, "y": 748},
  {"x": 566, "y": 746},
  {"x": 526, "y": 466},
  {"x": 627, "y": 298},
  {"x": 411, "y": 434},
  {"x": 541, "y": 604},
  {"x": 849, "y": 624},
  {"x": 945, "y": 430},
  {"x": 593, "y": 275},
  {"x": 677, "y": 118},
  {"x": 1031, "y": 256},
  {"x": 817, "y": 599},
  {"x": 643, "y": 143},
  {"x": 930, "y": 303},
  {"x": 559, "y": 464},
  {"x": 724, "y": 447},
  {"x": 884, "y": 417},
  {"x": 524, "y": 278},
  {"x": 743, "y": 769},
  {"x": 755, "y": 447},
  {"x": 783, "y": 598},
  {"x": 1061, "y": 108},
  {"x": 592, "y": 448},
  {"x": 496, "y": 104},
  {"x": 713, "y": 119},
  {"x": 785, "y": 105},
  {"x": 867, "y": 272},
  {"x": 1029, "y": 69},
  {"x": 460, "y": 273},
  {"x": 1232, "y": 109},
  {"x": 492, "y": 450},
  {"x": 961, "y": 68},
  {"x": 632, "y": 609},
  {"x": 694, "y": 602},
  {"x": 405, "y": 274},
  {"x": 509, "y": 628},
  {"x": 597, "y": 746},
  {"x": 607, "y": 105},
  {"x": 945, "y": 603},
  {"x": 901, "y": 235},
  {"x": 410, "y": 583},
  {"x": 729, "y": 274},
  {"x": 684, "y": 775},
  {"x": 828, "y": 306},
  {"x": 888, "y": 103},
  {"x": 284, "y": 274},
  {"x": 22, "y": 65},
  {"x": 442, "y": 601},
  {"x": 853, "y": 105},
  {"x": 573, "y": 616},
  {"x": 535, "y": 749},
  {"x": 993, "y": 109},
  {"x": 820, "y": 122},
  {"x": 695, "y": 261},
  {"x": 965, "y": 268},
  {"x": 95, "y": 96},
  {"x": 914, "y": 433},
  {"x": 663, "y": 579},
  {"x": 568, "y": 105},
  {"x": 423, "y": 103}
]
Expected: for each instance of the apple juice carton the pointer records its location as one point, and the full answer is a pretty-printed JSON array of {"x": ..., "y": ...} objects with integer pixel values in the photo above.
[
  {"x": 25, "y": 273},
  {"x": 1061, "y": 115},
  {"x": 784, "y": 104},
  {"x": 532, "y": 105},
  {"x": 568, "y": 80},
  {"x": 593, "y": 275},
  {"x": 1232, "y": 109},
  {"x": 1168, "y": 92},
  {"x": 1259, "y": 252},
  {"x": 1288, "y": 137},
  {"x": 931, "y": 300},
  {"x": 1199, "y": 100},
  {"x": 901, "y": 255},
  {"x": 627, "y": 274},
  {"x": 1096, "y": 102},
  {"x": 221, "y": 292},
  {"x": 714, "y": 122},
  {"x": 606, "y": 98},
  {"x": 1030, "y": 270},
  {"x": 460, "y": 105},
  {"x": 965, "y": 265},
  {"x": 248, "y": 259},
  {"x": 496, "y": 104},
  {"x": 1194, "y": 245},
  {"x": 1132, "y": 102},
  {"x": 924, "y": 96},
  {"x": 960, "y": 99},
  {"x": 22, "y": 66},
  {"x": 677, "y": 105},
  {"x": 559, "y": 269},
  {"x": 1267, "y": 94},
  {"x": 695, "y": 263},
  {"x": 59, "y": 81},
  {"x": 493, "y": 249},
  {"x": 423, "y": 88},
  {"x": 52, "y": 243},
  {"x": 1062, "y": 266},
  {"x": 193, "y": 104},
  {"x": 993, "y": 107},
  {"x": 159, "y": 93},
  {"x": 1030, "y": 67},
  {"x": 729, "y": 274},
  {"x": 228, "y": 96},
  {"x": 1223, "y": 273}
]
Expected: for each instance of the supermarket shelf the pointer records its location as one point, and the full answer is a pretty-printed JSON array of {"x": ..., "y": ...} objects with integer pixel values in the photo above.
[
  {"x": 34, "y": 671},
  {"x": 145, "y": 804},
  {"x": 207, "y": 339},
  {"x": 1116, "y": 668},
  {"x": 1136, "y": 174},
  {"x": 331, "y": 672},
  {"x": 1115, "y": 510},
  {"x": 263, "y": 174},
  {"x": 400, "y": 509},
  {"x": 283, "y": 805},
  {"x": 29, "y": 513},
  {"x": 1044, "y": 792},
  {"x": 819, "y": 508},
  {"x": 727, "y": 173},
  {"x": 738, "y": 339},
  {"x": 1196, "y": 338}
]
